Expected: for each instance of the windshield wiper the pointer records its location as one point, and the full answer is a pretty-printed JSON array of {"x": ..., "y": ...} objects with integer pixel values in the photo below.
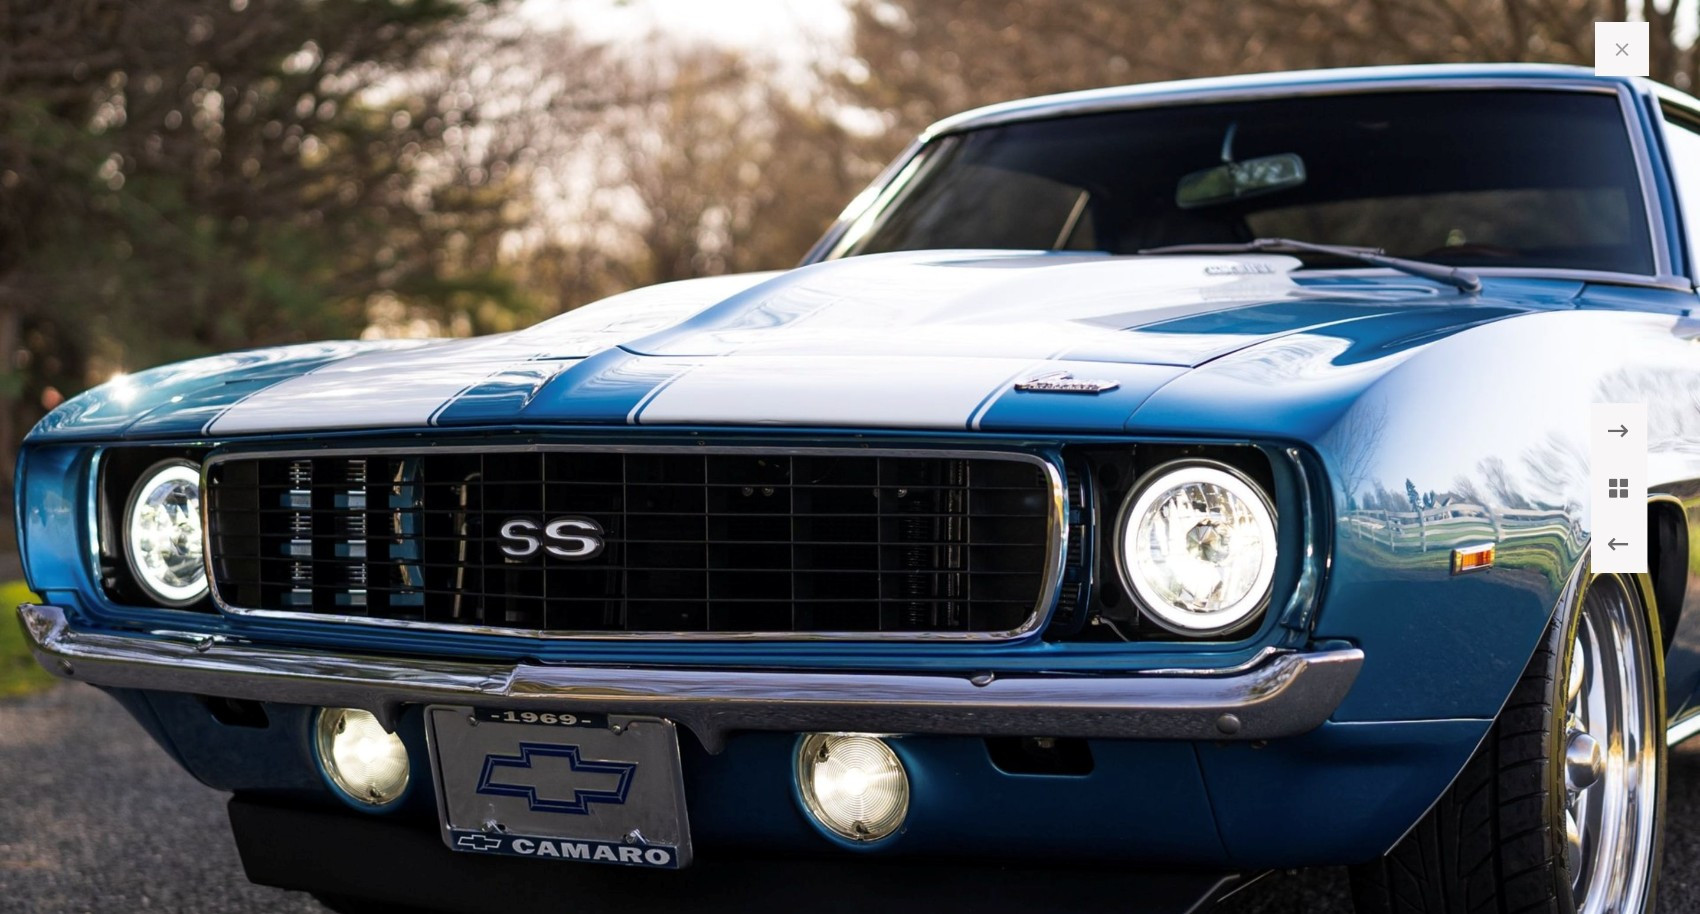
[{"x": 1463, "y": 279}]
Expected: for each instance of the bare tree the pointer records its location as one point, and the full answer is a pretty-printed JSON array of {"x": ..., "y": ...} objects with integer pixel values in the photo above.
[
  {"x": 919, "y": 60},
  {"x": 707, "y": 166}
]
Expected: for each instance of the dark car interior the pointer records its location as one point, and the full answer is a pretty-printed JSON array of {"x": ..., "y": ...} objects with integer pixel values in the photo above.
[{"x": 1511, "y": 179}]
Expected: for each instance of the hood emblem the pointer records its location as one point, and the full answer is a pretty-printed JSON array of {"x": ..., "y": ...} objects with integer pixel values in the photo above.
[
  {"x": 1063, "y": 382},
  {"x": 1238, "y": 269}
]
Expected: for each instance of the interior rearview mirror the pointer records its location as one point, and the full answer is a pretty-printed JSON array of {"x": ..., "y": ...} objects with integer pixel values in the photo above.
[{"x": 1235, "y": 180}]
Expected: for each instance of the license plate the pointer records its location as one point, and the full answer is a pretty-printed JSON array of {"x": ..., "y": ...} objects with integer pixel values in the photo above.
[{"x": 595, "y": 788}]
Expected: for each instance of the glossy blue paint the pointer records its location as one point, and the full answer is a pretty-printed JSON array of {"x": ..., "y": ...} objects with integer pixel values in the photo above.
[
  {"x": 179, "y": 400},
  {"x": 276, "y": 757},
  {"x": 55, "y": 540},
  {"x": 605, "y": 389},
  {"x": 65, "y": 579},
  {"x": 1344, "y": 793},
  {"x": 1098, "y": 414},
  {"x": 1374, "y": 379},
  {"x": 1334, "y": 795},
  {"x": 1497, "y": 404},
  {"x": 504, "y": 394},
  {"x": 1319, "y": 386}
]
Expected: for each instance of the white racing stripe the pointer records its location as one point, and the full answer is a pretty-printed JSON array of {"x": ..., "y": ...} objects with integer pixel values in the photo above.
[
  {"x": 902, "y": 341},
  {"x": 832, "y": 390},
  {"x": 378, "y": 390},
  {"x": 989, "y": 305},
  {"x": 899, "y": 340},
  {"x": 406, "y": 389}
]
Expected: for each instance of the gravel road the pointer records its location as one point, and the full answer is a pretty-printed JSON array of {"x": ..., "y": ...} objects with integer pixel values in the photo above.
[{"x": 94, "y": 819}]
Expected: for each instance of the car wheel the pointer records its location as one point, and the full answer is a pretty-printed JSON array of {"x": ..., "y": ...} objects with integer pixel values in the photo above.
[{"x": 1561, "y": 808}]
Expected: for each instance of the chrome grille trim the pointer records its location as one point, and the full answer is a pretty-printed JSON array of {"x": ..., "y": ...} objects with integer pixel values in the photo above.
[{"x": 1050, "y": 581}]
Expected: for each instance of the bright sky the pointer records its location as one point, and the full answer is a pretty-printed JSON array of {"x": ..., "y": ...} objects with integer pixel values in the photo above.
[{"x": 753, "y": 24}]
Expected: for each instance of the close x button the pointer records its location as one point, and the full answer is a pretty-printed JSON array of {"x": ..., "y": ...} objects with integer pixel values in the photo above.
[{"x": 1621, "y": 48}]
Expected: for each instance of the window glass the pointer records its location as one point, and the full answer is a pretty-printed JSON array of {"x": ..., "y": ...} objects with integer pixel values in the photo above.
[{"x": 1516, "y": 178}]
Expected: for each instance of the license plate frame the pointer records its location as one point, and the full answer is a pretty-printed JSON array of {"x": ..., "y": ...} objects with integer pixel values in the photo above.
[{"x": 597, "y": 788}]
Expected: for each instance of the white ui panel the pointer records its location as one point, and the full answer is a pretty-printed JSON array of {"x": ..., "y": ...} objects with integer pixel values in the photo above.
[
  {"x": 1618, "y": 486},
  {"x": 1622, "y": 48}
]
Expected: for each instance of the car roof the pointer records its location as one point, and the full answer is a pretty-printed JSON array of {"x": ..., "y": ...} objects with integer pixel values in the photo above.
[{"x": 1296, "y": 82}]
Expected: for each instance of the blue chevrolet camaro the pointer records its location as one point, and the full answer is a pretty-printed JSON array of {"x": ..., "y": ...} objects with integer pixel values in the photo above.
[{"x": 1134, "y": 492}]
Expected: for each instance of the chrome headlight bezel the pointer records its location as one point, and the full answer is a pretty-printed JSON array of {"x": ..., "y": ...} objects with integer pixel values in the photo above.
[
  {"x": 175, "y": 597},
  {"x": 1148, "y": 490}
]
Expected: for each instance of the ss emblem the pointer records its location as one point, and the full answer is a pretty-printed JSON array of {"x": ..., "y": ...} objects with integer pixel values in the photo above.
[{"x": 575, "y": 538}]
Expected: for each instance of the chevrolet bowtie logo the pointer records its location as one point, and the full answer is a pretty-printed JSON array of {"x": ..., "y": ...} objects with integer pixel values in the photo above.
[
  {"x": 478, "y": 842},
  {"x": 546, "y": 789}
]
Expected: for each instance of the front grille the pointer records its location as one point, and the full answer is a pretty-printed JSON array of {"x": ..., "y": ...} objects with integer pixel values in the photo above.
[{"x": 648, "y": 542}]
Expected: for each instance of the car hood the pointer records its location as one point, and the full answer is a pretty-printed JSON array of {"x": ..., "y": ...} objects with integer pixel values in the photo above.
[{"x": 938, "y": 340}]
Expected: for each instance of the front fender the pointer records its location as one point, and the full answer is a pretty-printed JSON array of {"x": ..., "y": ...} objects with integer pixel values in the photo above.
[
  {"x": 1482, "y": 439},
  {"x": 1431, "y": 443}
]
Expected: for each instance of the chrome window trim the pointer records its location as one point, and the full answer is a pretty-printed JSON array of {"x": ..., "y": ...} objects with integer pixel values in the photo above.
[
  {"x": 1109, "y": 101},
  {"x": 1669, "y": 102},
  {"x": 1132, "y": 99},
  {"x": 1671, "y": 95},
  {"x": 859, "y": 205},
  {"x": 1050, "y": 584},
  {"x": 1661, "y": 239}
]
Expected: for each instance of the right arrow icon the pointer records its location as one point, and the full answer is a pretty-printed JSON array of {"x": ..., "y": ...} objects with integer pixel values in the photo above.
[{"x": 1620, "y": 431}]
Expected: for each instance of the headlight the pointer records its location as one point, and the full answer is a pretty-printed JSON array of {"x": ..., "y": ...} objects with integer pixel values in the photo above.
[
  {"x": 853, "y": 785},
  {"x": 363, "y": 761},
  {"x": 162, "y": 533},
  {"x": 1198, "y": 547}
]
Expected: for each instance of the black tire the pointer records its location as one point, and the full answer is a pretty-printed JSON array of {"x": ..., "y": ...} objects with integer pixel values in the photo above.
[{"x": 1495, "y": 841}]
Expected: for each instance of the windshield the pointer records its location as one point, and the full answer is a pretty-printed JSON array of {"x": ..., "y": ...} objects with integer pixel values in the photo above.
[{"x": 1471, "y": 178}]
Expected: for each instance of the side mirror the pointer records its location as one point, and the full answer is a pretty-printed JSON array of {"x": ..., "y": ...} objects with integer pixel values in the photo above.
[{"x": 1235, "y": 180}]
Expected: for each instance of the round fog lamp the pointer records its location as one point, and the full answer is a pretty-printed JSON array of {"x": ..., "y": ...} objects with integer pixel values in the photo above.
[
  {"x": 853, "y": 785},
  {"x": 162, "y": 533},
  {"x": 363, "y": 761}
]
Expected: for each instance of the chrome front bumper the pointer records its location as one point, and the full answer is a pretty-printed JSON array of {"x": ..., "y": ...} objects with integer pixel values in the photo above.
[{"x": 1276, "y": 694}]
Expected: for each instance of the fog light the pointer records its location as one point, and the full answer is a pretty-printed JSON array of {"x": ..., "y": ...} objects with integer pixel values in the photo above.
[
  {"x": 365, "y": 763},
  {"x": 853, "y": 785}
]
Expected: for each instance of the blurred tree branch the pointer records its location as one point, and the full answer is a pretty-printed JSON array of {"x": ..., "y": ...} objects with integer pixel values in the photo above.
[
  {"x": 919, "y": 60},
  {"x": 179, "y": 176}
]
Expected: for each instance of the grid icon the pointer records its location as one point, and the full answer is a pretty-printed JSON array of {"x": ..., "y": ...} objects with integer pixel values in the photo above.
[{"x": 1617, "y": 488}]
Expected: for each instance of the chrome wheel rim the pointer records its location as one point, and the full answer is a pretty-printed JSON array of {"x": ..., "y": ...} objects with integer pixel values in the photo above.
[{"x": 1610, "y": 764}]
